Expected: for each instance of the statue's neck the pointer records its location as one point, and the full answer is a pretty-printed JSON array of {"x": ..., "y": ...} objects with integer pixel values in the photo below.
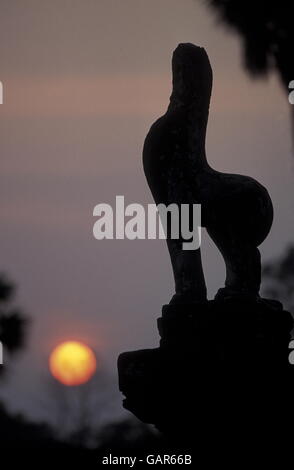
[{"x": 195, "y": 115}]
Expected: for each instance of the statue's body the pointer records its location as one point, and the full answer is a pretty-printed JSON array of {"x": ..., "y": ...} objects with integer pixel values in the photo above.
[{"x": 236, "y": 210}]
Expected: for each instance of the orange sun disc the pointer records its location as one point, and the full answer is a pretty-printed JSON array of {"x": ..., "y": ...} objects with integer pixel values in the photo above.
[{"x": 72, "y": 363}]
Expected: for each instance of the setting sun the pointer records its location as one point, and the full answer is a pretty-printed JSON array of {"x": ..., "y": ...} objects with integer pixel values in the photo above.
[{"x": 72, "y": 363}]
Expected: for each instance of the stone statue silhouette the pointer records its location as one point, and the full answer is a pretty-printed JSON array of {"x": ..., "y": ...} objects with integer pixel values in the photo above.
[
  {"x": 236, "y": 210},
  {"x": 173, "y": 386}
]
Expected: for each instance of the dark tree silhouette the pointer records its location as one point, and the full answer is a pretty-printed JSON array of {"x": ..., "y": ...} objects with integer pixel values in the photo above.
[
  {"x": 12, "y": 320},
  {"x": 267, "y": 35},
  {"x": 278, "y": 278}
]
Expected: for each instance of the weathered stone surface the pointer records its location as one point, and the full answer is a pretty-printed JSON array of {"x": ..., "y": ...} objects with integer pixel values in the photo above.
[{"x": 216, "y": 361}]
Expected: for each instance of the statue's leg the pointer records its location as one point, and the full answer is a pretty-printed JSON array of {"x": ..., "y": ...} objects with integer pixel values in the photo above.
[
  {"x": 243, "y": 265},
  {"x": 188, "y": 273}
]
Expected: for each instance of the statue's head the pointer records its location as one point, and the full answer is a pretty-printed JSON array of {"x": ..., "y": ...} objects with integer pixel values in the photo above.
[{"x": 192, "y": 75}]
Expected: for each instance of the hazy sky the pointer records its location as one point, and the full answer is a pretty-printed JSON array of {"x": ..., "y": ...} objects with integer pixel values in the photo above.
[{"x": 83, "y": 81}]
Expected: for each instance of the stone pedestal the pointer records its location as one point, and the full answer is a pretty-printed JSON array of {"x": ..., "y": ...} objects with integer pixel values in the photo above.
[{"x": 221, "y": 373}]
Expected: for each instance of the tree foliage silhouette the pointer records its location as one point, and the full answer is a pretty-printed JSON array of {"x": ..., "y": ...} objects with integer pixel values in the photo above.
[
  {"x": 278, "y": 278},
  {"x": 267, "y": 33},
  {"x": 12, "y": 320}
]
